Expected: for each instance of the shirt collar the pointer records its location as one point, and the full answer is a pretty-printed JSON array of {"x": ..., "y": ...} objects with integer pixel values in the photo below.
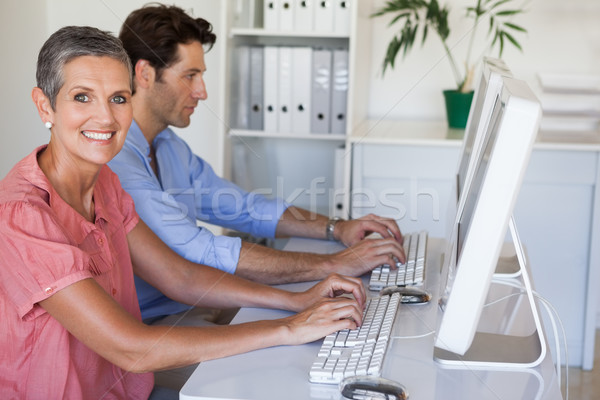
[
  {"x": 32, "y": 173},
  {"x": 138, "y": 140}
]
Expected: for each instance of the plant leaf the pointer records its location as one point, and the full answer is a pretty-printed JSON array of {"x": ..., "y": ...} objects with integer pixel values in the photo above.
[
  {"x": 499, "y": 3},
  {"x": 512, "y": 40},
  {"x": 506, "y": 13},
  {"x": 515, "y": 27},
  {"x": 397, "y": 17},
  {"x": 495, "y": 38}
]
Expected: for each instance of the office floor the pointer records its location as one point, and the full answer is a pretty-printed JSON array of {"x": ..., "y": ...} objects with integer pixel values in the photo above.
[{"x": 585, "y": 385}]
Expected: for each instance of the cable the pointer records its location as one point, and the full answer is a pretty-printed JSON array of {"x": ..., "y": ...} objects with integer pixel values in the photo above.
[
  {"x": 413, "y": 337},
  {"x": 549, "y": 307},
  {"x": 552, "y": 313}
]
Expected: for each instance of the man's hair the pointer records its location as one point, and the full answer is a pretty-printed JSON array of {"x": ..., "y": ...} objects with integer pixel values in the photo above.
[
  {"x": 69, "y": 43},
  {"x": 154, "y": 32}
]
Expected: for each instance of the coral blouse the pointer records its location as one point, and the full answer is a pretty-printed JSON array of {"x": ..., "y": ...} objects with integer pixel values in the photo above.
[{"x": 45, "y": 246}]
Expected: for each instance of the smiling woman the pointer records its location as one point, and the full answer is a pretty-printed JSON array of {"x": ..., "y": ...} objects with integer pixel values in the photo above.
[
  {"x": 94, "y": 115},
  {"x": 71, "y": 240}
]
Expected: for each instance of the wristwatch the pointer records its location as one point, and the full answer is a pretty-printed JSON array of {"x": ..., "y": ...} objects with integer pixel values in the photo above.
[{"x": 330, "y": 227}]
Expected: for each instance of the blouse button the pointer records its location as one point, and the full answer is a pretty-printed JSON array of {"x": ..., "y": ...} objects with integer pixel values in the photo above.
[
  {"x": 101, "y": 241},
  {"x": 48, "y": 290},
  {"x": 114, "y": 291}
]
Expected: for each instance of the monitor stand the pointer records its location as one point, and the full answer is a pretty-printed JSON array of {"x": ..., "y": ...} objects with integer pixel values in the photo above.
[
  {"x": 507, "y": 267},
  {"x": 494, "y": 350}
]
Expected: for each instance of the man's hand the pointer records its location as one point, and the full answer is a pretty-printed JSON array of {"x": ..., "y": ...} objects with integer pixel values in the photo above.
[
  {"x": 366, "y": 255},
  {"x": 353, "y": 231}
]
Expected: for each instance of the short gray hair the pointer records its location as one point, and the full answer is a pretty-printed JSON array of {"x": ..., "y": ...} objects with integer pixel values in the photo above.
[{"x": 71, "y": 42}]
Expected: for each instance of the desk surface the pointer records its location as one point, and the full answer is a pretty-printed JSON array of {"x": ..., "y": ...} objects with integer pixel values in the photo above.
[
  {"x": 437, "y": 133},
  {"x": 282, "y": 372}
]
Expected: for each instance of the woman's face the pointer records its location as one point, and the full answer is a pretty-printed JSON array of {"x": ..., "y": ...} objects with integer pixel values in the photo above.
[{"x": 93, "y": 110}]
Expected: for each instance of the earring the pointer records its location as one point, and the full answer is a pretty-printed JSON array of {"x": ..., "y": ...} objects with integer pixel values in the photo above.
[{"x": 48, "y": 124}]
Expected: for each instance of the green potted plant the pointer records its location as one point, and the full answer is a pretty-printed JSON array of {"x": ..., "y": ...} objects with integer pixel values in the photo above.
[{"x": 419, "y": 17}]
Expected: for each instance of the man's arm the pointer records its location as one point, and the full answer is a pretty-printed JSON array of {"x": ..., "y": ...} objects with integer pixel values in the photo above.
[
  {"x": 197, "y": 284},
  {"x": 263, "y": 264},
  {"x": 299, "y": 222},
  {"x": 272, "y": 266},
  {"x": 161, "y": 211}
]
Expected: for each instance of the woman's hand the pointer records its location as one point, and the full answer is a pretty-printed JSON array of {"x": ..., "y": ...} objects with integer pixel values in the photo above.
[
  {"x": 323, "y": 318},
  {"x": 331, "y": 287}
]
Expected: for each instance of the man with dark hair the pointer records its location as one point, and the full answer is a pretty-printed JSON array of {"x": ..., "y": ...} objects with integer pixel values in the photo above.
[{"x": 173, "y": 188}]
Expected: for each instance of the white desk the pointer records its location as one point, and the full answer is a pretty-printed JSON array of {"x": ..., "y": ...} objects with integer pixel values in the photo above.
[
  {"x": 405, "y": 170},
  {"x": 282, "y": 372}
]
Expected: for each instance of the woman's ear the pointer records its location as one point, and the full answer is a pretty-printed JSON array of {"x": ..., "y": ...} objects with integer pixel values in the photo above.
[
  {"x": 144, "y": 74},
  {"x": 42, "y": 103}
]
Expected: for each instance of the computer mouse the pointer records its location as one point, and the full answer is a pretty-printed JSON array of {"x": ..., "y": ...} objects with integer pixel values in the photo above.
[
  {"x": 410, "y": 294},
  {"x": 371, "y": 387}
]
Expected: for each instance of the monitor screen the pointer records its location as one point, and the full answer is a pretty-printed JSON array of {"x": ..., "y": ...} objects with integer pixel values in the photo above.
[
  {"x": 490, "y": 193},
  {"x": 488, "y": 140},
  {"x": 486, "y": 92}
]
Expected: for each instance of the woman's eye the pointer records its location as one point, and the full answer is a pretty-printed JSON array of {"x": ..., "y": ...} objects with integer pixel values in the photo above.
[
  {"x": 119, "y": 100},
  {"x": 81, "y": 98}
]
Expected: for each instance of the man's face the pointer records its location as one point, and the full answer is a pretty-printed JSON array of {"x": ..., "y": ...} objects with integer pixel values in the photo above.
[{"x": 181, "y": 86}]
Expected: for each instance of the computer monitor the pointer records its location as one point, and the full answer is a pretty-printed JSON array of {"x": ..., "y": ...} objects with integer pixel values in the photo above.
[
  {"x": 487, "y": 90},
  {"x": 489, "y": 195}
]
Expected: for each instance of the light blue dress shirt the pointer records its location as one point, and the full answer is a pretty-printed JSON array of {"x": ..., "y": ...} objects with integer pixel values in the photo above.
[{"x": 186, "y": 190}]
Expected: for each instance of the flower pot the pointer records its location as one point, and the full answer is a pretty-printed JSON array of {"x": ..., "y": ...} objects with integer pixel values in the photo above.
[{"x": 458, "y": 105}]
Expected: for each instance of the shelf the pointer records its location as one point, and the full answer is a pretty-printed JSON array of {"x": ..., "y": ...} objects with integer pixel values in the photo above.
[
  {"x": 276, "y": 135},
  {"x": 262, "y": 32},
  {"x": 406, "y": 132}
]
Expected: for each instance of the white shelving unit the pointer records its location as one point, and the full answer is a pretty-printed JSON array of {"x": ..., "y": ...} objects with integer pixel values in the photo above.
[{"x": 298, "y": 167}]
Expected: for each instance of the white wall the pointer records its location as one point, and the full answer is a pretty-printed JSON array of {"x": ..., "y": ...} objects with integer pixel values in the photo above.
[
  {"x": 563, "y": 36},
  {"x": 24, "y": 30}
]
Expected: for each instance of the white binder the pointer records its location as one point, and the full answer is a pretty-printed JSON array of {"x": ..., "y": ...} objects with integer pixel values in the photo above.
[
  {"x": 256, "y": 101},
  {"x": 270, "y": 86},
  {"x": 286, "y": 15},
  {"x": 337, "y": 195},
  {"x": 341, "y": 17},
  {"x": 284, "y": 120},
  {"x": 246, "y": 13},
  {"x": 301, "y": 89},
  {"x": 304, "y": 14},
  {"x": 321, "y": 91},
  {"x": 324, "y": 16},
  {"x": 271, "y": 14},
  {"x": 339, "y": 91},
  {"x": 240, "y": 102}
]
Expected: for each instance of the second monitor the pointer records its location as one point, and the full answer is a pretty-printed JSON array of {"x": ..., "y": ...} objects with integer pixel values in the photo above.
[{"x": 487, "y": 204}]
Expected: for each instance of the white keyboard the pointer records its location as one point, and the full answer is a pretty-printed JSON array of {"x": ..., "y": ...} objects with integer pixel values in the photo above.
[
  {"x": 410, "y": 273},
  {"x": 359, "y": 351}
]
